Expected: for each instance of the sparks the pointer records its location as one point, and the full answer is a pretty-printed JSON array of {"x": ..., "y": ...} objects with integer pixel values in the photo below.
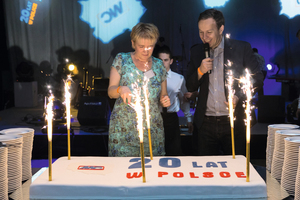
[
  {"x": 145, "y": 88},
  {"x": 68, "y": 82},
  {"x": 247, "y": 87},
  {"x": 138, "y": 109},
  {"x": 230, "y": 96},
  {"x": 139, "y": 115},
  {"x": 49, "y": 116},
  {"x": 231, "y": 108},
  {"x": 68, "y": 100}
]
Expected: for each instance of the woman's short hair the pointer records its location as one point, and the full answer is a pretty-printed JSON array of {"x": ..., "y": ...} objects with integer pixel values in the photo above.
[{"x": 144, "y": 30}]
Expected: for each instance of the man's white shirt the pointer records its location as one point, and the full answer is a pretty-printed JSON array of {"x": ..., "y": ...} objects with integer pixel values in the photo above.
[{"x": 176, "y": 89}]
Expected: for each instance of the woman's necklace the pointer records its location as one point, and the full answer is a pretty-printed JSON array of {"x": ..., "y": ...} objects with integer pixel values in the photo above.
[{"x": 146, "y": 65}]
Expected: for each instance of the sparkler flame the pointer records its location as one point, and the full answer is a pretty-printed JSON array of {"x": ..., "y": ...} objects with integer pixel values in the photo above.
[
  {"x": 247, "y": 87},
  {"x": 145, "y": 88},
  {"x": 139, "y": 114},
  {"x": 230, "y": 97},
  {"x": 136, "y": 93},
  {"x": 230, "y": 105},
  {"x": 49, "y": 116},
  {"x": 68, "y": 100}
]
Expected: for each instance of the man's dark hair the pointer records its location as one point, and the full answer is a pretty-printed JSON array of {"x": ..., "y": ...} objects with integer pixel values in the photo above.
[
  {"x": 215, "y": 14},
  {"x": 161, "y": 39},
  {"x": 255, "y": 50},
  {"x": 164, "y": 49}
]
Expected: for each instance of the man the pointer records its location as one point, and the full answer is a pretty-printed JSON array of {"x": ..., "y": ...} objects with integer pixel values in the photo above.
[
  {"x": 160, "y": 44},
  {"x": 176, "y": 90},
  {"x": 211, "y": 121},
  {"x": 261, "y": 61},
  {"x": 298, "y": 109}
]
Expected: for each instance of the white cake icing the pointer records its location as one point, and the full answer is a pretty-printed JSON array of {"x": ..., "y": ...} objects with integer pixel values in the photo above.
[{"x": 207, "y": 177}]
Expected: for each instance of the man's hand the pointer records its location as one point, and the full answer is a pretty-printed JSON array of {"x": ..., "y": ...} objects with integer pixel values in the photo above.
[
  {"x": 206, "y": 65},
  {"x": 190, "y": 127},
  {"x": 235, "y": 100},
  {"x": 191, "y": 96},
  {"x": 165, "y": 101},
  {"x": 188, "y": 95}
]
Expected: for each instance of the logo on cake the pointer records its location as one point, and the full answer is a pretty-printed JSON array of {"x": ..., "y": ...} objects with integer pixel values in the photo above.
[
  {"x": 170, "y": 162},
  {"x": 88, "y": 167}
]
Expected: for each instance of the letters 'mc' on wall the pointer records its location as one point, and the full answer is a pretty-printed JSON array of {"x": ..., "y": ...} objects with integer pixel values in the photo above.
[{"x": 110, "y": 18}]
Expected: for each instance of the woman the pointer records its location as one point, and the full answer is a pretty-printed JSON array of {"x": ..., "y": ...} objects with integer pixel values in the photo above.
[{"x": 127, "y": 73}]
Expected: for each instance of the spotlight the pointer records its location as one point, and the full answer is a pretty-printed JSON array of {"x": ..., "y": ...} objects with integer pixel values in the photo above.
[
  {"x": 269, "y": 67},
  {"x": 273, "y": 69},
  {"x": 71, "y": 67}
]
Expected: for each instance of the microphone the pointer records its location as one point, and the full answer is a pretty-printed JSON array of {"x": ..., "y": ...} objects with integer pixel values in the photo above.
[{"x": 207, "y": 53}]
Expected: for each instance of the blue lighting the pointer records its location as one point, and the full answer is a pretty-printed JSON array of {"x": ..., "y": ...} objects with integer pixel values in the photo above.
[
  {"x": 214, "y": 3},
  {"x": 290, "y": 8},
  {"x": 111, "y": 18}
]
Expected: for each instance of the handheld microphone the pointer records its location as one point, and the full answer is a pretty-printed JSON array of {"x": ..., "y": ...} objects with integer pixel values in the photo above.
[{"x": 207, "y": 53}]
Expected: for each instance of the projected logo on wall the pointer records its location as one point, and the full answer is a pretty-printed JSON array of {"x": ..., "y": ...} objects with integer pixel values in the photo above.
[
  {"x": 28, "y": 14},
  {"x": 111, "y": 18},
  {"x": 290, "y": 8},
  {"x": 215, "y": 3}
]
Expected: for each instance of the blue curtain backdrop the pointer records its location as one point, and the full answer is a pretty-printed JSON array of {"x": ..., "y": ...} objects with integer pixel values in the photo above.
[{"x": 90, "y": 33}]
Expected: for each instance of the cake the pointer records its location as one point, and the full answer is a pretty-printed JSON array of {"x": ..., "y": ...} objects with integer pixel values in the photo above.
[{"x": 203, "y": 177}]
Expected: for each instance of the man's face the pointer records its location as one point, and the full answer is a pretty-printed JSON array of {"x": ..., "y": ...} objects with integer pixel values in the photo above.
[
  {"x": 166, "y": 60},
  {"x": 209, "y": 32}
]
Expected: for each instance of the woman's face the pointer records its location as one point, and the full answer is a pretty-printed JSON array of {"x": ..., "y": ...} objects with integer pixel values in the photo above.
[{"x": 143, "y": 48}]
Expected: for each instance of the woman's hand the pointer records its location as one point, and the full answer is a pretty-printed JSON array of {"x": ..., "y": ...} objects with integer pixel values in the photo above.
[
  {"x": 165, "y": 101},
  {"x": 125, "y": 94}
]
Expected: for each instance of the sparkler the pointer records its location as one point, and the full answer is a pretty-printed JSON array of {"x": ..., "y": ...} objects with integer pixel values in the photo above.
[
  {"x": 231, "y": 109},
  {"x": 145, "y": 88},
  {"x": 247, "y": 89},
  {"x": 139, "y": 116},
  {"x": 49, "y": 131},
  {"x": 68, "y": 111}
]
